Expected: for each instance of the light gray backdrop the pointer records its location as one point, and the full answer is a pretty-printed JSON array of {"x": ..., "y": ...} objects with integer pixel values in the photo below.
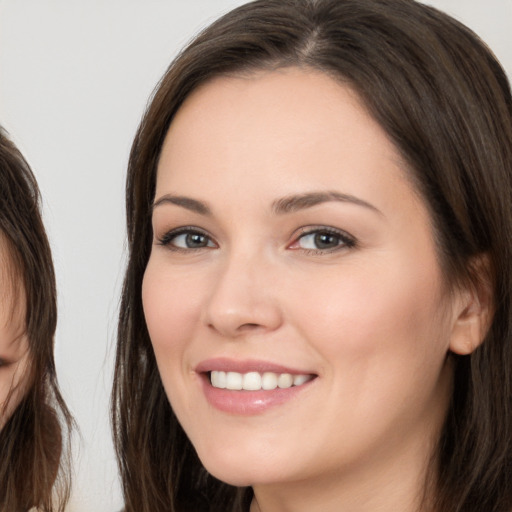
[{"x": 75, "y": 76}]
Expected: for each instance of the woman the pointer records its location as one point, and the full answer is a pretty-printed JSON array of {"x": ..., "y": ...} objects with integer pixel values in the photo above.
[
  {"x": 34, "y": 420},
  {"x": 316, "y": 312}
]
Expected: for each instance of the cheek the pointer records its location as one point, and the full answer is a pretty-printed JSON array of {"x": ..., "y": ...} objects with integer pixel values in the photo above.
[
  {"x": 366, "y": 314},
  {"x": 6, "y": 382},
  {"x": 382, "y": 338},
  {"x": 171, "y": 305},
  {"x": 13, "y": 386}
]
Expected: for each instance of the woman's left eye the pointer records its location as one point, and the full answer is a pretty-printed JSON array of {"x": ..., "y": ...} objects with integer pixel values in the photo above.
[
  {"x": 192, "y": 241},
  {"x": 323, "y": 240}
]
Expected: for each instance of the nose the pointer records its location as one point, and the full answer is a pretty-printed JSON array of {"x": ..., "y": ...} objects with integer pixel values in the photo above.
[{"x": 243, "y": 299}]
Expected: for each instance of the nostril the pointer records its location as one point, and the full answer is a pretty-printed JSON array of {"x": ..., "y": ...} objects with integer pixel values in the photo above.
[
  {"x": 234, "y": 318},
  {"x": 248, "y": 327},
  {"x": 236, "y": 330}
]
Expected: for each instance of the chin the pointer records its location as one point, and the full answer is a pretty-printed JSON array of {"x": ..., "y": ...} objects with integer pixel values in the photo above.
[
  {"x": 232, "y": 478},
  {"x": 242, "y": 469}
]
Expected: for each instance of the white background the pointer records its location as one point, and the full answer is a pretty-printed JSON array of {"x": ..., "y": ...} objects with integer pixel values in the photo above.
[{"x": 75, "y": 76}]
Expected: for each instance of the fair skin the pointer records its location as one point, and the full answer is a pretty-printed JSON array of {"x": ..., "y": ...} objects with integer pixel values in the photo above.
[
  {"x": 289, "y": 239},
  {"x": 14, "y": 351}
]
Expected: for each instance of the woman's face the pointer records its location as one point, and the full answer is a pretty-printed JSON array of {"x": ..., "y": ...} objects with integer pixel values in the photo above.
[
  {"x": 14, "y": 352},
  {"x": 291, "y": 250}
]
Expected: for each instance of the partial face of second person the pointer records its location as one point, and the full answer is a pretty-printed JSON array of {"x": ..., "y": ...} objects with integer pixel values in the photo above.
[
  {"x": 290, "y": 248},
  {"x": 14, "y": 350}
]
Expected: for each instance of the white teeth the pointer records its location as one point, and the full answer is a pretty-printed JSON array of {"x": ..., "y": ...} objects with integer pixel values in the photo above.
[
  {"x": 300, "y": 379},
  {"x": 234, "y": 380},
  {"x": 285, "y": 380},
  {"x": 218, "y": 379},
  {"x": 269, "y": 381},
  {"x": 254, "y": 381}
]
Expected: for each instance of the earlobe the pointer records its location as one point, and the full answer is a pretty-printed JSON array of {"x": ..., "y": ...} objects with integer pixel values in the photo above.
[{"x": 473, "y": 309}]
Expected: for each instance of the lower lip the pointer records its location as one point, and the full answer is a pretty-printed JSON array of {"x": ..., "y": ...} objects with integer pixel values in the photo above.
[{"x": 248, "y": 403}]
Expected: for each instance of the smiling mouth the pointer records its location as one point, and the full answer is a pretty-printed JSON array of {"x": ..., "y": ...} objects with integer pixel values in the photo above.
[{"x": 256, "y": 381}]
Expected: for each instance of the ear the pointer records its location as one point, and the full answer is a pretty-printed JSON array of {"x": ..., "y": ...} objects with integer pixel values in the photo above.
[{"x": 473, "y": 308}]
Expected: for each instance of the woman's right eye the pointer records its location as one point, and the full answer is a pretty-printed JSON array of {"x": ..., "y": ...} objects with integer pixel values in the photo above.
[{"x": 186, "y": 239}]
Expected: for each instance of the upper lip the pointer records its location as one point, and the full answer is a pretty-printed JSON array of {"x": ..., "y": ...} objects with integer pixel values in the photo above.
[{"x": 245, "y": 366}]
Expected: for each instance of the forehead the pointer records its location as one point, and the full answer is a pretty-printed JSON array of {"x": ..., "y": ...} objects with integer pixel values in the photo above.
[
  {"x": 290, "y": 123},
  {"x": 274, "y": 106}
]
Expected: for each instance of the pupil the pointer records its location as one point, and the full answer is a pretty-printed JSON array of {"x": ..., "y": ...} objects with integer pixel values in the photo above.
[
  {"x": 195, "y": 240},
  {"x": 325, "y": 240}
]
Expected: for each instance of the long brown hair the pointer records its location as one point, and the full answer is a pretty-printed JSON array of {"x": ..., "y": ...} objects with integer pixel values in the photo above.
[
  {"x": 34, "y": 465},
  {"x": 442, "y": 97}
]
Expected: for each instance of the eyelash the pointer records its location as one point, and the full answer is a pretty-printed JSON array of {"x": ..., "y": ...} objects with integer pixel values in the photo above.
[
  {"x": 167, "y": 238},
  {"x": 345, "y": 240}
]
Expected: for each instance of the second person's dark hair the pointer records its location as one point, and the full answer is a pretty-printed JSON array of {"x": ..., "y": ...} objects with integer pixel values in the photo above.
[{"x": 34, "y": 443}]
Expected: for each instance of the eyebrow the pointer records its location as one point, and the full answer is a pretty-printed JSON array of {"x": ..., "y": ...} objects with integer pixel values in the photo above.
[
  {"x": 298, "y": 202},
  {"x": 185, "y": 202},
  {"x": 288, "y": 204}
]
